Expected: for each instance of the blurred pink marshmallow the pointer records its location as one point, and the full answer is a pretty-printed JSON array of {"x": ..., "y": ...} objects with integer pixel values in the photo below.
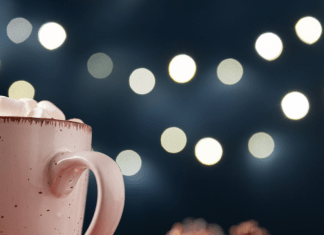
[
  {"x": 30, "y": 104},
  {"x": 76, "y": 120},
  {"x": 198, "y": 226},
  {"x": 12, "y": 107},
  {"x": 38, "y": 113},
  {"x": 51, "y": 109}
]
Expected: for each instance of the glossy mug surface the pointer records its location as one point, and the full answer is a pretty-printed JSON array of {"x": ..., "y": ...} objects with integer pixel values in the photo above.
[{"x": 44, "y": 171}]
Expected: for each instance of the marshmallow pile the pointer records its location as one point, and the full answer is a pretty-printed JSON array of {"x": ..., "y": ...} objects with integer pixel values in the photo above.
[{"x": 26, "y": 107}]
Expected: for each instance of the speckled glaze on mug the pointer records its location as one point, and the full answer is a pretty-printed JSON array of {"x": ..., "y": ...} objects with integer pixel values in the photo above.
[{"x": 44, "y": 171}]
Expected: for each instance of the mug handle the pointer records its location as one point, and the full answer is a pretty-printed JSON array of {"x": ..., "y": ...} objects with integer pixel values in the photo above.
[{"x": 65, "y": 166}]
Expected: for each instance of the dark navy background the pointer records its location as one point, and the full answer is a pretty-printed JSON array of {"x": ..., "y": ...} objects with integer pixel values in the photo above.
[{"x": 284, "y": 192}]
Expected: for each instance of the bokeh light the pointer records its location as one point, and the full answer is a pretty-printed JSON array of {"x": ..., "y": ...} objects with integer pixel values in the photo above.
[
  {"x": 51, "y": 35},
  {"x": 229, "y": 71},
  {"x": 19, "y": 29},
  {"x": 173, "y": 140},
  {"x": 142, "y": 81},
  {"x": 308, "y": 29},
  {"x": 21, "y": 89},
  {"x": 182, "y": 68},
  {"x": 269, "y": 46},
  {"x": 208, "y": 151},
  {"x": 295, "y": 105},
  {"x": 261, "y": 145},
  {"x": 100, "y": 65},
  {"x": 129, "y": 162}
]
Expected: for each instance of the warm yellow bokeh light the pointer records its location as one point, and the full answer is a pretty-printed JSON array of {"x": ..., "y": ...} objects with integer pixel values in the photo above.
[
  {"x": 308, "y": 29},
  {"x": 18, "y": 30},
  {"x": 295, "y": 105},
  {"x": 51, "y": 35},
  {"x": 21, "y": 89},
  {"x": 261, "y": 145},
  {"x": 182, "y": 68},
  {"x": 129, "y": 162},
  {"x": 142, "y": 81},
  {"x": 208, "y": 151},
  {"x": 269, "y": 46},
  {"x": 229, "y": 71},
  {"x": 173, "y": 140},
  {"x": 100, "y": 65}
]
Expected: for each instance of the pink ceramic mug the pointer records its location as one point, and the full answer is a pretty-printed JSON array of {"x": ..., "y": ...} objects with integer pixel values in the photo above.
[{"x": 44, "y": 171}]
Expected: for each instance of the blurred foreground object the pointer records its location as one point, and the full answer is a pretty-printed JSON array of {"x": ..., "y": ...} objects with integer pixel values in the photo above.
[
  {"x": 250, "y": 227},
  {"x": 199, "y": 226},
  {"x": 195, "y": 227}
]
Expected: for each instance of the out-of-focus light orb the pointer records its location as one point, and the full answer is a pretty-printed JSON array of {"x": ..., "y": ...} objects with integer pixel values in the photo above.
[
  {"x": 173, "y": 140},
  {"x": 19, "y": 29},
  {"x": 208, "y": 151},
  {"x": 269, "y": 46},
  {"x": 308, "y": 29},
  {"x": 100, "y": 65},
  {"x": 182, "y": 68},
  {"x": 142, "y": 81},
  {"x": 295, "y": 105},
  {"x": 21, "y": 89},
  {"x": 261, "y": 145},
  {"x": 129, "y": 162},
  {"x": 51, "y": 35},
  {"x": 229, "y": 71}
]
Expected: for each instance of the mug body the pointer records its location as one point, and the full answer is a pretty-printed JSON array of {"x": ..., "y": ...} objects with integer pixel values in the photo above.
[{"x": 26, "y": 204}]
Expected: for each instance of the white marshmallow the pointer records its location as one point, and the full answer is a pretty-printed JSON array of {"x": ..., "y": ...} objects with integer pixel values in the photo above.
[
  {"x": 26, "y": 107},
  {"x": 12, "y": 107},
  {"x": 30, "y": 104},
  {"x": 76, "y": 120},
  {"x": 51, "y": 109},
  {"x": 38, "y": 113}
]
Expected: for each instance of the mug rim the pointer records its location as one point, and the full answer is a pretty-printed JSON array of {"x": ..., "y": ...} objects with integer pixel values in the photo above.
[{"x": 46, "y": 119}]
